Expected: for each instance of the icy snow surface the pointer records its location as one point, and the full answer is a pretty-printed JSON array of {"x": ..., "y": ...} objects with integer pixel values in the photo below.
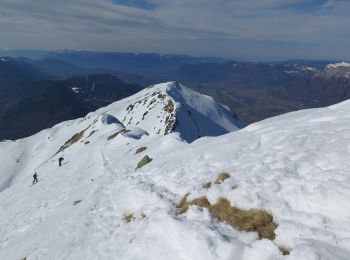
[{"x": 295, "y": 166}]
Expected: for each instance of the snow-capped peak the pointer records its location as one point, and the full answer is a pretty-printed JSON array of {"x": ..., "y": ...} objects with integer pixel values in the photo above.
[
  {"x": 171, "y": 107},
  {"x": 337, "y": 70},
  {"x": 338, "y": 65}
]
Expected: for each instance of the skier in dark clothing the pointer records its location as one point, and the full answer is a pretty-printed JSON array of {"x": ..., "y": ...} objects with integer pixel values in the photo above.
[
  {"x": 35, "y": 178},
  {"x": 60, "y": 160}
]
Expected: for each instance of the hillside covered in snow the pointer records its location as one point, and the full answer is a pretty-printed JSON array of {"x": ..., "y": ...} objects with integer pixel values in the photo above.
[{"x": 137, "y": 182}]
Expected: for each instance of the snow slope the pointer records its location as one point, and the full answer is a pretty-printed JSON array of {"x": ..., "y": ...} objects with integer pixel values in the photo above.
[{"x": 295, "y": 166}]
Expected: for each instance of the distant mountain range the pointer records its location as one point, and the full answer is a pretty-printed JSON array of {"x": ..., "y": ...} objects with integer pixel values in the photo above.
[
  {"x": 258, "y": 90},
  {"x": 31, "y": 100},
  {"x": 151, "y": 65},
  {"x": 255, "y": 90}
]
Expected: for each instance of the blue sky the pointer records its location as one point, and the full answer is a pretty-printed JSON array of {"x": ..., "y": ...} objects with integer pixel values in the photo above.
[
  {"x": 241, "y": 29},
  {"x": 311, "y": 6},
  {"x": 142, "y": 4}
]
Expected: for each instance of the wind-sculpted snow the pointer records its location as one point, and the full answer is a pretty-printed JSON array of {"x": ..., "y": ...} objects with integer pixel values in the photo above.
[{"x": 295, "y": 167}]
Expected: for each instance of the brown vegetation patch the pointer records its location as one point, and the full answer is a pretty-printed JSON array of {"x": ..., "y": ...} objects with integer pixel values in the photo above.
[
  {"x": 145, "y": 160},
  {"x": 245, "y": 220},
  {"x": 206, "y": 185},
  {"x": 91, "y": 133},
  {"x": 255, "y": 220},
  {"x": 284, "y": 250},
  {"x": 222, "y": 177},
  {"x": 169, "y": 124},
  {"x": 202, "y": 202},
  {"x": 76, "y": 202},
  {"x": 75, "y": 138},
  {"x": 183, "y": 205},
  {"x": 169, "y": 107},
  {"x": 161, "y": 96},
  {"x": 128, "y": 218},
  {"x": 140, "y": 150},
  {"x": 116, "y": 134}
]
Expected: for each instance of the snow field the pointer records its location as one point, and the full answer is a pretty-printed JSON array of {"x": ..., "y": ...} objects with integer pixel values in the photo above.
[{"x": 294, "y": 166}]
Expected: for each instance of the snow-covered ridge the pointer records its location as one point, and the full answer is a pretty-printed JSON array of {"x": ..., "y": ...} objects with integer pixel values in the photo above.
[
  {"x": 98, "y": 206},
  {"x": 171, "y": 107},
  {"x": 338, "y": 65},
  {"x": 337, "y": 70}
]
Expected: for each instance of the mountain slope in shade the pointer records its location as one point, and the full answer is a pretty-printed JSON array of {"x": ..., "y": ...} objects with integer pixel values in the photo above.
[
  {"x": 44, "y": 107},
  {"x": 99, "y": 206},
  {"x": 36, "y": 105},
  {"x": 15, "y": 76}
]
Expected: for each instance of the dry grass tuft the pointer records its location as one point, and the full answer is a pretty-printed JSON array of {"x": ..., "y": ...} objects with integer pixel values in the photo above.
[
  {"x": 254, "y": 220},
  {"x": 128, "y": 218},
  {"x": 202, "y": 202},
  {"x": 182, "y": 206},
  {"x": 75, "y": 138},
  {"x": 284, "y": 250},
  {"x": 170, "y": 123},
  {"x": 116, "y": 134},
  {"x": 222, "y": 177},
  {"x": 245, "y": 220},
  {"x": 112, "y": 136},
  {"x": 76, "y": 202},
  {"x": 140, "y": 150},
  {"x": 169, "y": 107},
  {"x": 206, "y": 185},
  {"x": 145, "y": 160},
  {"x": 91, "y": 133}
]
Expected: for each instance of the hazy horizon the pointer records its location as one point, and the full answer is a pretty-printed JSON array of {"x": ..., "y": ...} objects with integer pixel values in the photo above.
[{"x": 19, "y": 53}]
